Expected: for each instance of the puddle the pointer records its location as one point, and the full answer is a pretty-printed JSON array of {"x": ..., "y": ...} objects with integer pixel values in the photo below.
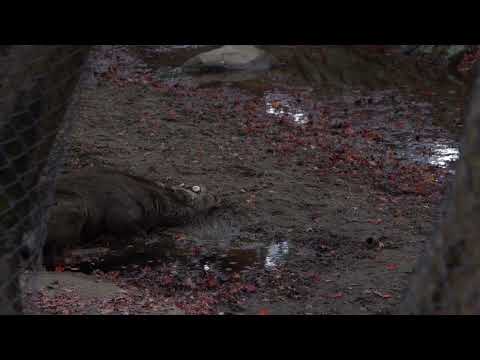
[
  {"x": 276, "y": 254},
  {"x": 268, "y": 258},
  {"x": 281, "y": 105},
  {"x": 236, "y": 260},
  {"x": 233, "y": 260},
  {"x": 442, "y": 154},
  {"x": 402, "y": 123}
]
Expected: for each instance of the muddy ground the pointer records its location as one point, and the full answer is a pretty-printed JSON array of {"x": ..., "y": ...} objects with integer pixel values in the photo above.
[{"x": 333, "y": 181}]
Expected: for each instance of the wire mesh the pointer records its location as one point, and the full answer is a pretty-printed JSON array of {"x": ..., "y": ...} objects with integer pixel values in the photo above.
[{"x": 38, "y": 83}]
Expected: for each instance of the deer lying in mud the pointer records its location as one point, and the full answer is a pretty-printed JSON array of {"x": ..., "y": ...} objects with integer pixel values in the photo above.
[{"x": 95, "y": 202}]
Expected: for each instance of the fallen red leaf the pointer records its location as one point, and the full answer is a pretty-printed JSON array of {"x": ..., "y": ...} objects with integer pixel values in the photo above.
[
  {"x": 250, "y": 288},
  {"x": 263, "y": 312},
  {"x": 172, "y": 115},
  {"x": 166, "y": 280},
  {"x": 337, "y": 295},
  {"x": 212, "y": 282},
  {"x": 196, "y": 251},
  {"x": 180, "y": 237},
  {"x": 392, "y": 267}
]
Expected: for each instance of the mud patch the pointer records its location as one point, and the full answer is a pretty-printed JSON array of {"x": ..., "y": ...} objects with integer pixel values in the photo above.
[{"x": 72, "y": 293}]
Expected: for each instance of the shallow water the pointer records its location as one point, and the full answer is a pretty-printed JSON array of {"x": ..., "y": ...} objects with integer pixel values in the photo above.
[
  {"x": 276, "y": 254},
  {"x": 233, "y": 260},
  {"x": 282, "y": 105},
  {"x": 440, "y": 154}
]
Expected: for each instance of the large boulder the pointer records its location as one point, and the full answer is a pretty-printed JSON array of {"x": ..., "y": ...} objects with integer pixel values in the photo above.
[{"x": 230, "y": 58}]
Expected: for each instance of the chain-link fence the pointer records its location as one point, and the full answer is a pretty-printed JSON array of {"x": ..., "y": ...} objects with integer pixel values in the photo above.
[{"x": 37, "y": 83}]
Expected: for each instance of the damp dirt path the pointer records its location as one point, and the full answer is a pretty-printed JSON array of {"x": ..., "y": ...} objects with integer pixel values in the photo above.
[{"x": 332, "y": 194}]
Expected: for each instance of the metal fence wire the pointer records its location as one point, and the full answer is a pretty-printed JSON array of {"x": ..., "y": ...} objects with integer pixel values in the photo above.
[{"x": 37, "y": 97}]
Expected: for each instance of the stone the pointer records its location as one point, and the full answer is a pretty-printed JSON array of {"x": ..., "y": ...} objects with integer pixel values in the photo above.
[{"x": 230, "y": 58}]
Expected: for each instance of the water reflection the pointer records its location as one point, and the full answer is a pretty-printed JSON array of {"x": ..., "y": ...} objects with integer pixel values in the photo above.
[
  {"x": 283, "y": 105},
  {"x": 270, "y": 257},
  {"x": 276, "y": 254},
  {"x": 443, "y": 155},
  {"x": 440, "y": 154}
]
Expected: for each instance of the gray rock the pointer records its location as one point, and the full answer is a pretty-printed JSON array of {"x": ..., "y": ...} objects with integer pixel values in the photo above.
[{"x": 230, "y": 58}]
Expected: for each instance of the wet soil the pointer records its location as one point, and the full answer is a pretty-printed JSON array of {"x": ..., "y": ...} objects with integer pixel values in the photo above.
[{"x": 334, "y": 177}]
